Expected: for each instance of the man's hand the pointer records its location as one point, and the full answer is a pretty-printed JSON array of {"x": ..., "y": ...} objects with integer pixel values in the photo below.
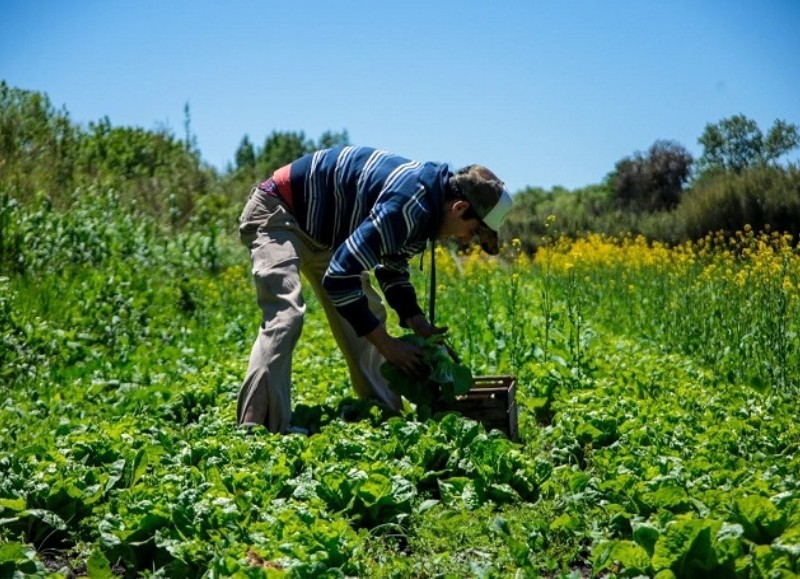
[
  {"x": 420, "y": 325},
  {"x": 407, "y": 357}
]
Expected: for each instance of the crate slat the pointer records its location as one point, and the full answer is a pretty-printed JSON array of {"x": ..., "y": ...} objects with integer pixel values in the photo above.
[{"x": 491, "y": 401}]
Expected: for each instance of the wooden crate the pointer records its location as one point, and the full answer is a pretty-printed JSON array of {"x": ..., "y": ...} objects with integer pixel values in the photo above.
[{"x": 491, "y": 401}]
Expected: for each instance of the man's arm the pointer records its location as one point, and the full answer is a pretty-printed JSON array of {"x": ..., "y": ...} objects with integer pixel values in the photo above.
[
  {"x": 407, "y": 357},
  {"x": 393, "y": 277},
  {"x": 420, "y": 325},
  {"x": 383, "y": 233}
]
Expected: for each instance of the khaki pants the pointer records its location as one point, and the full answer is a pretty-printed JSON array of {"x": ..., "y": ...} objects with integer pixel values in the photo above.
[{"x": 279, "y": 252}]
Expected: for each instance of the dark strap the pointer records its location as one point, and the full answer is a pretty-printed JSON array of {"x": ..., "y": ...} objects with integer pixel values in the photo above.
[{"x": 432, "y": 302}]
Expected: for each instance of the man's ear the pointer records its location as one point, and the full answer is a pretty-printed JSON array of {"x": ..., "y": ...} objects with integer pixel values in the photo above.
[{"x": 460, "y": 206}]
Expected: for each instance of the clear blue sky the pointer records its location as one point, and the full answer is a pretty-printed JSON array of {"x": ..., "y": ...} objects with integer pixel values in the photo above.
[{"x": 543, "y": 93}]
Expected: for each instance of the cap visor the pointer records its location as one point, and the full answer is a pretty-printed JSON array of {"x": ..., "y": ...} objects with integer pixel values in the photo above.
[{"x": 489, "y": 241}]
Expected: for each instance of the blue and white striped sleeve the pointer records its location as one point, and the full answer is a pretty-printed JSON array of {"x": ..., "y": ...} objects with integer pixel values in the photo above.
[
  {"x": 393, "y": 276},
  {"x": 384, "y": 232}
]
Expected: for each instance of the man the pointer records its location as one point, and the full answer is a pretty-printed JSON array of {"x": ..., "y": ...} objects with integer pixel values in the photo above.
[{"x": 335, "y": 215}]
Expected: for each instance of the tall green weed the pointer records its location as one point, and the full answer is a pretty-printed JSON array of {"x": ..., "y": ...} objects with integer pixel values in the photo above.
[
  {"x": 100, "y": 229},
  {"x": 764, "y": 198}
]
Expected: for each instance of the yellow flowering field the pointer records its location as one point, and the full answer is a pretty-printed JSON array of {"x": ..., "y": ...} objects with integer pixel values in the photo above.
[{"x": 732, "y": 302}]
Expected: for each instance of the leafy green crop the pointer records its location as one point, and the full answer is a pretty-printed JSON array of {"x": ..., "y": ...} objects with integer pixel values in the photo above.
[
  {"x": 121, "y": 358},
  {"x": 444, "y": 378}
]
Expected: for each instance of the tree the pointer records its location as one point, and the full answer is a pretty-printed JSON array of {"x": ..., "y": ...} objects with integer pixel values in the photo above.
[
  {"x": 330, "y": 139},
  {"x": 245, "y": 154},
  {"x": 652, "y": 182},
  {"x": 781, "y": 138},
  {"x": 281, "y": 148},
  {"x": 38, "y": 143},
  {"x": 737, "y": 143}
]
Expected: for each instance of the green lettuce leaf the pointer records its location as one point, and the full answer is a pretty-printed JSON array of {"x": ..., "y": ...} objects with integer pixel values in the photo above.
[{"x": 444, "y": 379}]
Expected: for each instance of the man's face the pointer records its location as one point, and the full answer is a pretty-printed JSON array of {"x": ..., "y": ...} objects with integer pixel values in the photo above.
[{"x": 455, "y": 227}]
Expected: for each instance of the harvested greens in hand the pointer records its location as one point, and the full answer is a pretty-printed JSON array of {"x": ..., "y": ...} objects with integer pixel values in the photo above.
[{"x": 444, "y": 378}]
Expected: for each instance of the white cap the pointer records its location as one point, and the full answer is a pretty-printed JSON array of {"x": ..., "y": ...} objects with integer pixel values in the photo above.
[{"x": 494, "y": 219}]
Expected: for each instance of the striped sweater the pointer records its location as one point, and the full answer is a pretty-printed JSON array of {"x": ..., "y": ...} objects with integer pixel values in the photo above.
[{"x": 373, "y": 210}]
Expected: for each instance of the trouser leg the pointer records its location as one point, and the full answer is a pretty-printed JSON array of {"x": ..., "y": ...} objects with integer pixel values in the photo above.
[
  {"x": 363, "y": 359},
  {"x": 265, "y": 395}
]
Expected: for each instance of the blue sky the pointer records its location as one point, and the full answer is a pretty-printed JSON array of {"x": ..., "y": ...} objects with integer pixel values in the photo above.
[{"x": 543, "y": 93}]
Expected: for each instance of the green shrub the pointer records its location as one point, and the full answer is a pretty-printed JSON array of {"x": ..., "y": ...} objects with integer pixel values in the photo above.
[
  {"x": 762, "y": 197},
  {"x": 100, "y": 229},
  {"x": 574, "y": 212}
]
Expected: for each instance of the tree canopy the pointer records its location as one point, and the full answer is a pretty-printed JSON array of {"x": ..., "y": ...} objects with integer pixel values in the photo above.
[
  {"x": 652, "y": 181},
  {"x": 737, "y": 143}
]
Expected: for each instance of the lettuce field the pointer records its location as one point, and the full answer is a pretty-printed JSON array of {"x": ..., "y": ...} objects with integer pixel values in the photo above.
[{"x": 657, "y": 393}]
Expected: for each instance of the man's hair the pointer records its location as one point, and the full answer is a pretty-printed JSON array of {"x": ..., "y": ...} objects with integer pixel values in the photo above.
[
  {"x": 454, "y": 193},
  {"x": 487, "y": 197}
]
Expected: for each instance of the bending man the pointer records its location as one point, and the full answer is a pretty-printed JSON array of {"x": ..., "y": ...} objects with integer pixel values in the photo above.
[{"x": 335, "y": 215}]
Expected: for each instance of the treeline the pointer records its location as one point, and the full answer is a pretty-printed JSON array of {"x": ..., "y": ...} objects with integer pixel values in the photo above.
[
  {"x": 47, "y": 160},
  {"x": 665, "y": 194}
]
